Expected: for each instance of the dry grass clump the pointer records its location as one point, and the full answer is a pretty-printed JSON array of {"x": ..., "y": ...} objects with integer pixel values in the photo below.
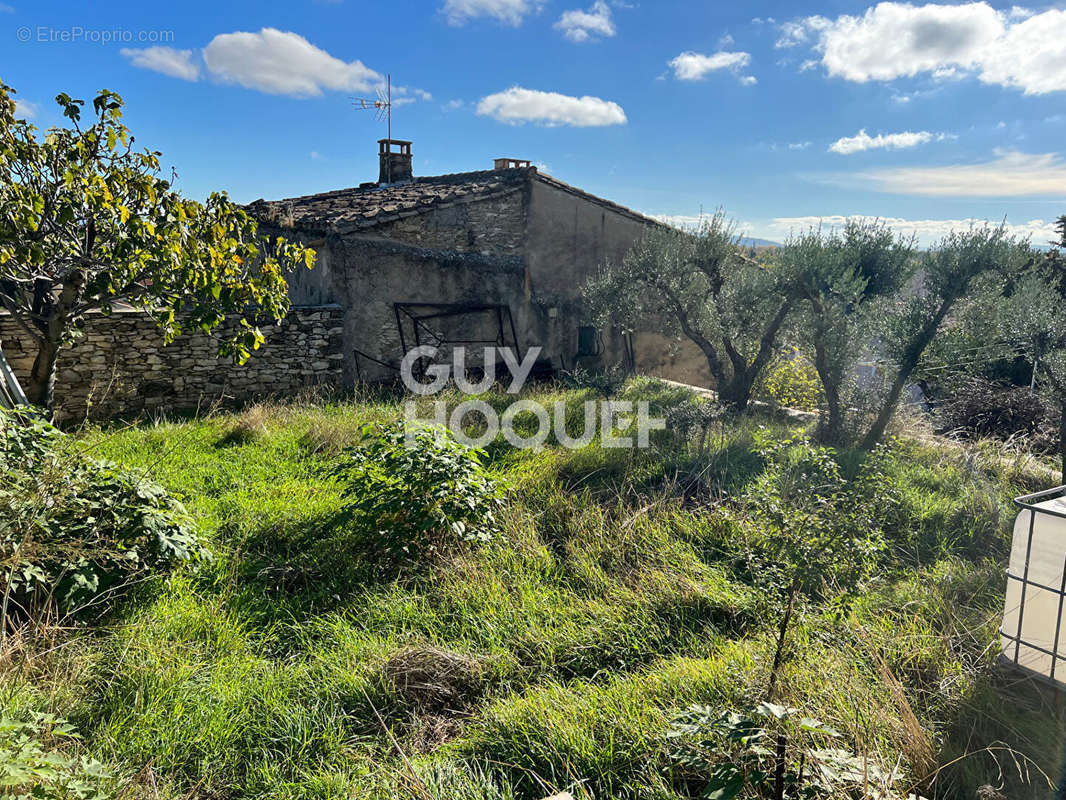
[
  {"x": 439, "y": 688},
  {"x": 249, "y": 426},
  {"x": 328, "y": 435},
  {"x": 433, "y": 680}
]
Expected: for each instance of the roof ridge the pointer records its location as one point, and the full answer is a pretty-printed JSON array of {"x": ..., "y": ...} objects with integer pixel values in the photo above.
[{"x": 515, "y": 175}]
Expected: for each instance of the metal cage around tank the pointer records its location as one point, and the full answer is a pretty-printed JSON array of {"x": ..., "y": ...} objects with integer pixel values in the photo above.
[{"x": 1032, "y": 633}]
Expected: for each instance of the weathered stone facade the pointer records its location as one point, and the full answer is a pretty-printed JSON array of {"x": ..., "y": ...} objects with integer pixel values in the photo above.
[
  {"x": 119, "y": 366},
  {"x": 510, "y": 236}
]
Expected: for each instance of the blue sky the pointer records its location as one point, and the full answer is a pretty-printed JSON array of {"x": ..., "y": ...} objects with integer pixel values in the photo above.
[{"x": 782, "y": 113}]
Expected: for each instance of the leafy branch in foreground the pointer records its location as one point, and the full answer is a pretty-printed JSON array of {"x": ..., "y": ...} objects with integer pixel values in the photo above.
[
  {"x": 33, "y": 765},
  {"x": 738, "y": 755}
]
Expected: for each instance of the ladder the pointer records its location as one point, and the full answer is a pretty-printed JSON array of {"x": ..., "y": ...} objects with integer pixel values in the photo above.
[{"x": 11, "y": 393}]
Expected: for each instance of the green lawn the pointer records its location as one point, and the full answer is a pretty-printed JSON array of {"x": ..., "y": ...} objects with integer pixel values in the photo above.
[{"x": 299, "y": 663}]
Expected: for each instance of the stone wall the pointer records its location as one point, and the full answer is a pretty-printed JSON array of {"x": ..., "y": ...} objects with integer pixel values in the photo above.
[
  {"x": 120, "y": 367},
  {"x": 495, "y": 224}
]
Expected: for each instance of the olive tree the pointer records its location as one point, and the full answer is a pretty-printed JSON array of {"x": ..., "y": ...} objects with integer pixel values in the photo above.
[
  {"x": 842, "y": 277},
  {"x": 1026, "y": 311},
  {"x": 945, "y": 276},
  {"x": 87, "y": 223},
  {"x": 700, "y": 285}
]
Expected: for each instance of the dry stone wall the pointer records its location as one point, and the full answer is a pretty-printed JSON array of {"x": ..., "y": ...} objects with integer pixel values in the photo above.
[{"x": 120, "y": 367}]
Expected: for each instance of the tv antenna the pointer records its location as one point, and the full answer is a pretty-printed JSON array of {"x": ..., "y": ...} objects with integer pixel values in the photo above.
[{"x": 382, "y": 106}]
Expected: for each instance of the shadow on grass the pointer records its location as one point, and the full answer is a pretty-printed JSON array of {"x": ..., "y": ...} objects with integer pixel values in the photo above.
[
  {"x": 1002, "y": 706},
  {"x": 306, "y": 566}
]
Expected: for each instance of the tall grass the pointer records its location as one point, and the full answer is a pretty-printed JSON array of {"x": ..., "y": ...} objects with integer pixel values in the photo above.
[{"x": 550, "y": 659}]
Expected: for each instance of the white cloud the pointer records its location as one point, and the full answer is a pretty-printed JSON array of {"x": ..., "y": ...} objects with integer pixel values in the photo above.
[
  {"x": 927, "y": 231},
  {"x": 1016, "y": 48},
  {"x": 1010, "y": 174},
  {"x": 690, "y": 66},
  {"x": 798, "y": 145},
  {"x": 891, "y": 141},
  {"x": 316, "y": 156},
  {"x": 511, "y": 12},
  {"x": 797, "y": 32},
  {"x": 24, "y": 109},
  {"x": 454, "y": 105},
  {"x": 580, "y": 26},
  {"x": 282, "y": 62},
  {"x": 167, "y": 60},
  {"x": 518, "y": 105}
]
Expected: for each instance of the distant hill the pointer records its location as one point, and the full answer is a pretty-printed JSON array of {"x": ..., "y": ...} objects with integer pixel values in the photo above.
[{"x": 749, "y": 241}]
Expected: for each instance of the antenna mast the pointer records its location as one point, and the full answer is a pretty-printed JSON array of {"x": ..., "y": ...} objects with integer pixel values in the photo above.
[{"x": 382, "y": 108}]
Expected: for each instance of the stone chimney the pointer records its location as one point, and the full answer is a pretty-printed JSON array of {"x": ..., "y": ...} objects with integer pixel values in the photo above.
[
  {"x": 394, "y": 156},
  {"x": 511, "y": 163}
]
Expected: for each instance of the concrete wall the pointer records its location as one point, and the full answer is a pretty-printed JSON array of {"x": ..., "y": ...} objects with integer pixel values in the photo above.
[{"x": 120, "y": 367}]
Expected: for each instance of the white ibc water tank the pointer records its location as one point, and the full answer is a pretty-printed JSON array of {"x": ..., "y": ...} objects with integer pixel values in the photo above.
[{"x": 1034, "y": 617}]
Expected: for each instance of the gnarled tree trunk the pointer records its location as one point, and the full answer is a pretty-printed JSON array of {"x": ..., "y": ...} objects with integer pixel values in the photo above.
[{"x": 40, "y": 390}]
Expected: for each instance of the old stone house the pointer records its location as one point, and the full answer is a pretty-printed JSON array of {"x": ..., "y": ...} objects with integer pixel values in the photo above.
[
  {"x": 496, "y": 256},
  {"x": 493, "y": 256}
]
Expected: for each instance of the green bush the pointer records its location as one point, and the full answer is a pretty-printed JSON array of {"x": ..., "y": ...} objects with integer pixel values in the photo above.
[
  {"x": 418, "y": 491},
  {"x": 753, "y": 754},
  {"x": 31, "y": 765},
  {"x": 790, "y": 381},
  {"x": 73, "y": 529}
]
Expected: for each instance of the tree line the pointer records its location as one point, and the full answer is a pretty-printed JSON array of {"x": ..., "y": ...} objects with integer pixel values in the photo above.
[{"x": 840, "y": 297}]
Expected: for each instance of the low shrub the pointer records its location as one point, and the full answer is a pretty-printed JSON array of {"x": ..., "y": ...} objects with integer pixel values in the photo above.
[
  {"x": 72, "y": 528},
  {"x": 771, "y": 751},
  {"x": 790, "y": 381},
  {"x": 32, "y": 763},
  {"x": 418, "y": 491},
  {"x": 606, "y": 382}
]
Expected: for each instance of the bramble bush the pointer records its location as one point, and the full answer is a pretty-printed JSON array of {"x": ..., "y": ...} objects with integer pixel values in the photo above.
[
  {"x": 419, "y": 493},
  {"x": 73, "y": 529},
  {"x": 33, "y": 766},
  {"x": 730, "y": 755}
]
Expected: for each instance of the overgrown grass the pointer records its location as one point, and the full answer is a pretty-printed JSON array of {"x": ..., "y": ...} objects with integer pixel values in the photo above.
[{"x": 551, "y": 658}]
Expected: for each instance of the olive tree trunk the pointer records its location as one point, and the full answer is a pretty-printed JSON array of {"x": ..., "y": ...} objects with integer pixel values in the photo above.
[{"x": 908, "y": 364}]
